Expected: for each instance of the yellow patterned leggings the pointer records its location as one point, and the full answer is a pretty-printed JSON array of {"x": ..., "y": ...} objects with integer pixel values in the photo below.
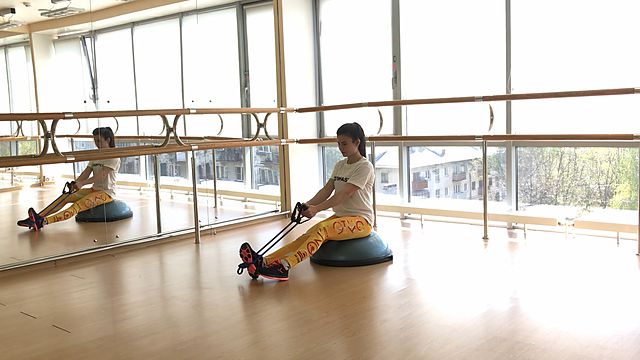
[
  {"x": 80, "y": 200},
  {"x": 333, "y": 228}
]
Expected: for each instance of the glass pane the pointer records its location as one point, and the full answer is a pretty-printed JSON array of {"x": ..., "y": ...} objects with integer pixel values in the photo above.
[
  {"x": 387, "y": 175},
  {"x": 266, "y": 169},
  {"x": 448, "y": 177},
  {"x": 116, "y": 88},
  {"x": 158, "y": 70},
  {"x": 331, "y": 155},
  {"x": 431, "y": 28},
  {"x": 211, "y": 71},
  {"x": 356, "y": 60},
  {"x": 262, "y": 62},
  {"x": 4, "y": 84},
  {"x": 577, "y": 180},
  {"x": 569, "y": 53},
  {"x": 21, "y": 79},
  {"x": 72, "y": 69},
  {"x": 227, "y": 163},
  {"x": 6, "y": 127}
]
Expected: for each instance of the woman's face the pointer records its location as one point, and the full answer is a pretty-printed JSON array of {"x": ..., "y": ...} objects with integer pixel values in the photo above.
[
  {"x": 347, "y": 145},
  {"x": 101, "y": 143}
]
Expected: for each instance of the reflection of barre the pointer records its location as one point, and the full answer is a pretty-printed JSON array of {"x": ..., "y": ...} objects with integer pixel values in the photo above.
[
  {"x": 121, "y": 152},
  {"x": 132, "y": 113}
]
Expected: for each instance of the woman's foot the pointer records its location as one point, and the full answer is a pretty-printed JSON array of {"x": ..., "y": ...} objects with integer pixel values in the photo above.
[
  {"x": 26, "y": 223},
  {"x": 274, "y": 271},
  {"x": 37, "y": 220},
  {"x": 250, "y": 260}
]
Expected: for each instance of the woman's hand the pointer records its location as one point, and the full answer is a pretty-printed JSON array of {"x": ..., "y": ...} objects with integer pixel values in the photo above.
[
  {"x": 77, "y": 185},
  {"x": 310, "y": 211}
]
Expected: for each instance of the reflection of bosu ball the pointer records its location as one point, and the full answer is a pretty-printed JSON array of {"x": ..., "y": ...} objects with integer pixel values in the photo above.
[
  {"x": 112, "y": 211},
  {"x": 368, "y": 250}
]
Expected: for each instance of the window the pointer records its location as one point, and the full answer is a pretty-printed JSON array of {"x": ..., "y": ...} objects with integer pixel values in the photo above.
[
  {"x": 221, "y": 172},
  {"x": 157, "y": 51},
  {"x": 446, "y": 191},
  {"x": 583, "y": 178},
  {"x": 211, "y": 70},
  {"x": 72, "y": 69},
  {"x": 114, "y": 67},
  {"x": 437, "y": 193},
  {"x": 431, "y": 28},
  {"x": 262, "y": 61},
  {"x": 384, "y": 178},
  {"x": 564, "y": 55},
  {"x": 356, "y": 60}
]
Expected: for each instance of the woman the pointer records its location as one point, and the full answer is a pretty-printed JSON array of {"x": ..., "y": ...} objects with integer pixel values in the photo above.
[
  {"x": 351, "y": 184},
  {"x": 100, "y": 173}
]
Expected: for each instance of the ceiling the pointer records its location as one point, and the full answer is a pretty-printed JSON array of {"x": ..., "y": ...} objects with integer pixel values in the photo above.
[
  {"x": 28, "y": 10},
  {"x": 97, "y": 14}
]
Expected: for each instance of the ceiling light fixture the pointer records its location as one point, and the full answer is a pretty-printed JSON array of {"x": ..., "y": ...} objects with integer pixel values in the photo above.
[
  {"x": 10, "y": 24},
  {"x": 7, "y": 11},
  {"x": 56, "y": 13}
]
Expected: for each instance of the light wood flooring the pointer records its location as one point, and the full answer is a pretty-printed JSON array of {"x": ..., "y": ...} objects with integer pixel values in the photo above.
[
  {"x": 19, "y": 244},
  {"x": 446, "y": 295}
]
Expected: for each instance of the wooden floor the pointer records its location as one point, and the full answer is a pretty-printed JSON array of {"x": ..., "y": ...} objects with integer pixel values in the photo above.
[
  {"x": 20, "y": 244},
  {"x": 446, "y": 295}
]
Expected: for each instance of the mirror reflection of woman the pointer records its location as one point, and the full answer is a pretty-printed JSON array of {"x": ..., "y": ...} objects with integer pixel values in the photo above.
[{"x": 100, "y": 174}]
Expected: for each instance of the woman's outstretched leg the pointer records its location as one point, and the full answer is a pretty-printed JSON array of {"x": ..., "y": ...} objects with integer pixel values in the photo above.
[{"x": 277, "y": 264}]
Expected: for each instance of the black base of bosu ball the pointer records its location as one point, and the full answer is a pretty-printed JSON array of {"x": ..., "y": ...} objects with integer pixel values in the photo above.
[
  {"x": 112, "y": 211},
  {"x": 355, "y": 252}
]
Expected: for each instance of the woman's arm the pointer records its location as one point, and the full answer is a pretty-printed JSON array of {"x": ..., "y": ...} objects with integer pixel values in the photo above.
[
  {"x": 85, "y": 179},
  {"x": 323, "y": 194},
  {"x": 336, "y": 199}
]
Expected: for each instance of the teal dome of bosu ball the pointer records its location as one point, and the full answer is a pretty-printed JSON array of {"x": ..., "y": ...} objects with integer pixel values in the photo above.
[
  {"x": 112, "y": 211},
  {"x": 368, "y": 250}
]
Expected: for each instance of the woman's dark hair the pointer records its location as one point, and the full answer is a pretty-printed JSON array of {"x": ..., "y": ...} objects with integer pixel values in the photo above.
[
  {"x": 105, "y": 133},
  {"x": 354, "y": 131}
]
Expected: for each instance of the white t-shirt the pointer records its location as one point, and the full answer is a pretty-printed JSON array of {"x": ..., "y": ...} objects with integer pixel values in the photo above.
[
  {"x": 360, "y": 174},
  {"x": 108, "y": 183}
]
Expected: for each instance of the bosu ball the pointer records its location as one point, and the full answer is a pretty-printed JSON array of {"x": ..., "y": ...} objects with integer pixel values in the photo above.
[
  {"x": 367, "y": 250},
  {"x": 112, "y": 211}
]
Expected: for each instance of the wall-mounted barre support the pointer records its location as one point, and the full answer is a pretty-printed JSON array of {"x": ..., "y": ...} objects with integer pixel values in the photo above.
[
  {"x": 261, "y": 125},
  {"x": 45, "y": 138},
  {"x": 175, "y": 133},
  {"x": 54, "y": 146},
  {"x": 19, "y": 131}
]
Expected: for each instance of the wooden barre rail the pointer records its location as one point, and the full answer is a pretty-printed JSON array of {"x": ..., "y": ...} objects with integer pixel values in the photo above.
[
  {"x": 468, "y": 99},
  {"x": 85, "y": 155},
  {"x": 520, "y": 137},
  {"x": 139, "y": 138},
  {"x": 205, "y": 111}
]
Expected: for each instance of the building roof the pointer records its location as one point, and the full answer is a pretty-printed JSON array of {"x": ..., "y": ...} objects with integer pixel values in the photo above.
[{"x": 427, "y": 156}]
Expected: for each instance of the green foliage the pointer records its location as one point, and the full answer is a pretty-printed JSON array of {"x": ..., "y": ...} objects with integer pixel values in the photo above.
[{"x": 583, "y": 177}]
